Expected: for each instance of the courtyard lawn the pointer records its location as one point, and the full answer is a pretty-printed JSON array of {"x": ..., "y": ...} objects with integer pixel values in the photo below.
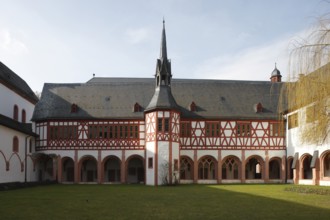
[{"x": 175, "y": 202}]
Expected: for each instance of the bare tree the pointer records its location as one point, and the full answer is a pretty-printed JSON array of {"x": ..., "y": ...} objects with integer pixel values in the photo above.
[{"x": 308, "y": 84}]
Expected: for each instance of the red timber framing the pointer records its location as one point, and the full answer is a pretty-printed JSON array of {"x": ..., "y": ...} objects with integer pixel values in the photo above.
[
  {"x": 232, "y": 135},
  {"x": 90, "y": 135}
]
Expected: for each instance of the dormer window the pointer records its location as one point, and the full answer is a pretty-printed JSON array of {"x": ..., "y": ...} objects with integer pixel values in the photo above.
[
  {"x": 192, "y": 107},
  {"x": 74, "y": 108},
  {"x": 258, "y": 108},
  {"x": 137, "y": 107}
]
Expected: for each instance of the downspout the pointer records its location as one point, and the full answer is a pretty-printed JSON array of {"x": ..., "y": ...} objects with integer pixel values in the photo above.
[{"x": 25, "y": 159}]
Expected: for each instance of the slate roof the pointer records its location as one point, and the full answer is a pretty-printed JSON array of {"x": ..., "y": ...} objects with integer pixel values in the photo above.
[
  {"x": 16, "y": 83},
  {"x": 25, "y": 128},
  {"x": 114, "y": 98}
]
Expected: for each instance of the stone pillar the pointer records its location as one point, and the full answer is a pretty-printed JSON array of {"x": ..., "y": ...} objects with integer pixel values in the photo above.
[
  {"x": 219, "y": 167},
  {"x": 76, "y": 168},
  {"x": 99, "y": 167},
  {"x": 284, "y": 170},
  {"x": 59, "y": 169},
  {"x": 266, "y": 169},
  {"x": 195, "y": 167},
  {"x": 123, "y": 167},
  {"x": 243, "y": 167},
  {"x": 316, "y": 172}
]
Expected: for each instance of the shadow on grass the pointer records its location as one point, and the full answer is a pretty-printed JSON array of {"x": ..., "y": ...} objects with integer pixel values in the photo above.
[{"x": 143, "y": 202}]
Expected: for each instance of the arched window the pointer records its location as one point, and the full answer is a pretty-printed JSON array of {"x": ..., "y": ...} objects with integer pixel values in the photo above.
[
  {"x": 186, "y": 168},
  {"x": 206, "y": 168},
  {"x": 15, "y": 114},
  {"x": 326, "y": 165},
  {"x": 230, "y": 168},
  {"x": 23, "y": 116},
  {"x": 15, "y": 144}
]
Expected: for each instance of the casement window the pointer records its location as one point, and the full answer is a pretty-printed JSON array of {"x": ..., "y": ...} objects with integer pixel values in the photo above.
[
  {"x": 185, "y": 129},
  {"x": 293, "y": 121},
  {"x": 212, "y": 129},
  {"x": 243, "y": 129},
  {"x": 150, "y": 163},
  {"x": 63, "y": 132},
  {"x": 113, "y": 131},
  {"x": 163, "y": 124},
  {"x": 276, "y": 129}
]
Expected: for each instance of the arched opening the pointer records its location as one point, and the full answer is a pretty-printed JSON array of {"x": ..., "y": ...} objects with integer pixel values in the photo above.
[
  {"x": 88, "y": 169},
  {"x": 23, "y": 116},
  {"x": 275, "y": 168},
  {"x": 67, "y": 169},
  {"x": 44, "y": 168},
  {"x": 289, "y": 168},
  {"x": 15, "y": 145},
  {"x": 15, "y": 113},
  {"x": 186, "y": 168},
  {"x": 306, "y": 169},
  {"x": 112, "y": 171},
  {"x": 254, "y": 168},
  {"x": 326, "y": 165},
  {"x": 135, "y": 170},
  {"x": 207, "y": 168},
  {"x": 231, "y": 168}
]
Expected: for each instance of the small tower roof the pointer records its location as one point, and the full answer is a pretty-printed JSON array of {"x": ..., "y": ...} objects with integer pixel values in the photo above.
[{"x": 276, "y": 72}]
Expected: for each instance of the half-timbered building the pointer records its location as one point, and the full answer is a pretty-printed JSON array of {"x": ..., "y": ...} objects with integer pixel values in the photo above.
[{"x": 161, "y": 130}]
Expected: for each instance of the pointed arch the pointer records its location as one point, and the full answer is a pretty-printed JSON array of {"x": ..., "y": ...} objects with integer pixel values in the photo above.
[{"x": 289, "y": 168}]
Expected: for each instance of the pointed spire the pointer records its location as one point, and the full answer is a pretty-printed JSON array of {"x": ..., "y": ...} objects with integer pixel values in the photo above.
[{"x": 163, "y": 49}]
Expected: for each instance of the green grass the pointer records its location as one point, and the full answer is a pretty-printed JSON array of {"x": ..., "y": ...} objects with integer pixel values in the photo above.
[{"x": 179, "y": 202}]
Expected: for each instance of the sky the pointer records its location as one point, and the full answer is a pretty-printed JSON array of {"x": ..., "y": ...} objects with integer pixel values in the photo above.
[{"x": 67, "y": 41}]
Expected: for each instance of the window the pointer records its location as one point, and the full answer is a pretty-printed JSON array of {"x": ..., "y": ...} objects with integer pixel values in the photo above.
[
  {"x": 150, "y": 162},
  {"x": 276, "y": 129},
  {"x": 243, "y": 129},
  {"x": 186, "y": 168},
  {"x": 311, "y": 113},
  {"x": 15, "y": 115},
  {"x": 176, "y": 164},
  {"x": 23, "y": 116},
  {"x": 185, "y": 129},
  {"x": 293, "y": 120},
  {"x": 163, "y": 124},
  {"x": 192, "y": 107},
  {"x": 206, "y": 168},
  {"x": 30, "y": 146},
  {"x": 15, "y": 144},
  {"x": 66, "y": 132},
  {"x": 113, "y": 131},
  {"x": 137, "y": 107},
  {"x": 212, "y": 129}
]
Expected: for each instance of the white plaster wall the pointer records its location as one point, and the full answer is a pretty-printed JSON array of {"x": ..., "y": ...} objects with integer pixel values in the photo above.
[
  {"x": 276, "y": 153},
  {"x": 163, "y": 160},
  {"x": 237, "y": 153},
  {"x": 129, "y": 153},
  {"x": 202, "y": 153},
  {"x": 117, "y": 153},
  {"x": 11, "y": 98},
  {"x": 188, "y": 153},
  {"x": 150, "y": 172},
  {"x": 15, "y": 159},
  {"x": 260, "y": 153}
]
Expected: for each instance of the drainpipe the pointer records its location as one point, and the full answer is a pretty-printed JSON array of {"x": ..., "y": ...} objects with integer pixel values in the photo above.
[{"x": 25, "y": 159}]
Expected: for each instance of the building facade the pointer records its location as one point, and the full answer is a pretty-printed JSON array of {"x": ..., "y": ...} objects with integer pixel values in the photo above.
[
  {"x": 161, "y": 131},
  {"x": 16, "y": 136}
]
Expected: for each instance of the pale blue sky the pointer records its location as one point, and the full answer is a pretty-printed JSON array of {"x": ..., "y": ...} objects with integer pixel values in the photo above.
[{"x": 69, "y": 40}]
